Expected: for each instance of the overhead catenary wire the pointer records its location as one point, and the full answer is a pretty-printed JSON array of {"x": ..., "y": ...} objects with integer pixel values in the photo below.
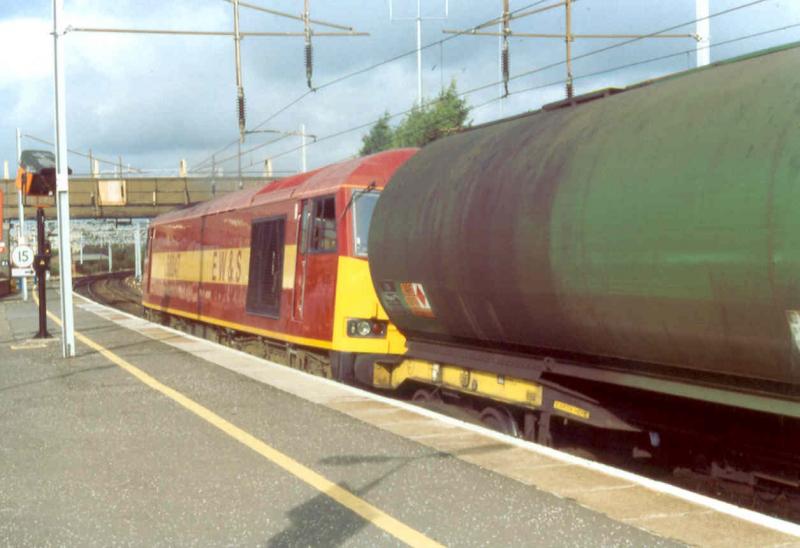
[
  {"x": 114, "y": 163},
  {"x": 79, "y": 153},
  {"x": 411, "y": 52},
  {"x": 252, "y": 149},
  {"x": 514, "y": 77},
  {"x": 200, "y": 166},
  {"x": 541, "y": 69},
  {"x": 237, "y": 35},
  {"x": 636, "y": 63},
  {"x": 655, "y": 59},
  {"x": 358, "y": 72},
  {"x": 505, "y": 32},
  {"x": 639, "y": 38},
  {"x": 291, "y": 16}
]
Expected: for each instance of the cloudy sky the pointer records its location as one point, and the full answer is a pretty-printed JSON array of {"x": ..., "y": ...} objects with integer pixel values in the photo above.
[{"x": 153, "y": 100}]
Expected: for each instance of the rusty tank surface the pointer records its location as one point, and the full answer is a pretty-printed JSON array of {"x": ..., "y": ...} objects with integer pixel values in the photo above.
[{"x": 657, "y": 224}]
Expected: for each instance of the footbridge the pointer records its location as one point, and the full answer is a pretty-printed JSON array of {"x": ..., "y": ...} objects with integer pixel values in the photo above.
[{"x": 127, "y": 198}]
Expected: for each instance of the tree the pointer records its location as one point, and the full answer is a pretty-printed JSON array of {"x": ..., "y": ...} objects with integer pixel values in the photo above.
[
  {"x": 445, "y": 114},
  {"x": 423, "y": 124},
  {"x": 379, "y": 137}
]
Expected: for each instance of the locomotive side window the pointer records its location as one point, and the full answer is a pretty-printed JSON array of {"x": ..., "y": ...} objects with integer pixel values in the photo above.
[
  {"x": 323, "y": 225},
  {"x": 308, "y": 208},
  {"x": 266, "y": 267}
]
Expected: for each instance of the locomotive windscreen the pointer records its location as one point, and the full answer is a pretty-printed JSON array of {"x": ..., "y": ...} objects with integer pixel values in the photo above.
[{"x": 362, "y": 217}]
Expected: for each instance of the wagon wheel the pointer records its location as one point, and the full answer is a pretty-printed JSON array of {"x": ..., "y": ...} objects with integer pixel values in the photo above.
[{"x": 500, "y": 419}]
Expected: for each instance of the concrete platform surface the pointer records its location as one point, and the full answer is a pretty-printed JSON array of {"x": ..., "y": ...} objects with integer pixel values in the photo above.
[{"x": 150, "y": 437}]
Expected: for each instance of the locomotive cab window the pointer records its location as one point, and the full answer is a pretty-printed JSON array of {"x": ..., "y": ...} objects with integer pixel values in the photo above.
[
  {"x": 362, "y": 216},
  {"x": 319, "y": 225},
  {"x": 266, "y": 267}
]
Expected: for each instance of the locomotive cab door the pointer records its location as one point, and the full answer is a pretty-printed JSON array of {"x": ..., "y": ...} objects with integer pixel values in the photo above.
[
  {"x": 315, "y": 269},
  {"x": 303, "y": 232}
]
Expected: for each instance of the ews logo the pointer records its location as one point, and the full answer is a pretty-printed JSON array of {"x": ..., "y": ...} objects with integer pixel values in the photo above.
[{"x": 226, "y": 266}]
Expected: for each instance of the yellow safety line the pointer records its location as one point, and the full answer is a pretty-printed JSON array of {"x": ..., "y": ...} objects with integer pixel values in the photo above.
[{"x": 372, "y": 514}]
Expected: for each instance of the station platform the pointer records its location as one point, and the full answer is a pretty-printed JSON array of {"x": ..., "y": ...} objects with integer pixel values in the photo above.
[{"x": 153, "y": 437}]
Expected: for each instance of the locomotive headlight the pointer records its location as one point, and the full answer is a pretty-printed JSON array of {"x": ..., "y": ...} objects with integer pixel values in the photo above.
[
  {"x": 363, "y": 328},
  {"x": 358, "y": 327}
]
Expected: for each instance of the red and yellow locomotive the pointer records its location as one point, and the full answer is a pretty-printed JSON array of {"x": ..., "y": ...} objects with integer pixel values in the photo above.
[{"x": 283, "y": 265}]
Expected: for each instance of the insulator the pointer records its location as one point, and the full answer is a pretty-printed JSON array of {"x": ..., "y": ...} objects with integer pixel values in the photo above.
[
  {"x": 506, "y": 64},
  {"x": 241, "y": 107},
  {"x": 570, "y": 90},
  {"x": 309, "y": 63}
]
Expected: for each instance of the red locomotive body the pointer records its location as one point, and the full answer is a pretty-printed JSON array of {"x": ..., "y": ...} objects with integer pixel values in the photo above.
[{"x": 286, "y": 262}]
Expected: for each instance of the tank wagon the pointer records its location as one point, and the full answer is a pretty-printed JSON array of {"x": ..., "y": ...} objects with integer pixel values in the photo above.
[
  {"x": 283, "y": 266},
  {"x": 633, "y": 251}
]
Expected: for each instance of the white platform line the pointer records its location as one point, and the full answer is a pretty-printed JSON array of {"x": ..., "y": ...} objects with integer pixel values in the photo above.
[
  {"x": 722, "y": 507},
  {"x": 665, "y": 515}
]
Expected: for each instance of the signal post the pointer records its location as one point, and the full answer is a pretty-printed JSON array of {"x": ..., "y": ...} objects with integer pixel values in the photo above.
[
  {"x": 41, "y": 265},
  {"x": 34, "y": 178}
]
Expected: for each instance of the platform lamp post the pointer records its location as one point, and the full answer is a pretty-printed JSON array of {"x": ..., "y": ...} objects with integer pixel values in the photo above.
[{"x": 62, "y": 186}]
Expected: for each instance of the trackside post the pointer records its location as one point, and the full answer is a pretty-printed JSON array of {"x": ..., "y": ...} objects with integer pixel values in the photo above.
[{"x": 62, "y": 188}]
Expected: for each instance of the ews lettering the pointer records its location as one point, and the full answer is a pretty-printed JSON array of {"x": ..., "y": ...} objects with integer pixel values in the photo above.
[
  {"x": 173, "y": 265},
  {"x": 226, "y": 265}
]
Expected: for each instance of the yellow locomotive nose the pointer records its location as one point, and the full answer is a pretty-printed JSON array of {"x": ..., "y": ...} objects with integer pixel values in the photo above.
[{"x": 361, "y": 324}]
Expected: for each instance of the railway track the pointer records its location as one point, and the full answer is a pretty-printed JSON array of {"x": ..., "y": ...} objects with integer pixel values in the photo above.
[
  {"x": 116, "y": 289},
  {"x": 119, "y": 290}
]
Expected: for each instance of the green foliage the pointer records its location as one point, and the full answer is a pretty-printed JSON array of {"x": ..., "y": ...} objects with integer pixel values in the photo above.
[
  {"x": 379, "y": 137},
  {"x": 437, "y": 118}
]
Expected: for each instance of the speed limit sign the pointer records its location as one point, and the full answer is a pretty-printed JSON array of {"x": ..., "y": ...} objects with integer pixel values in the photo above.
[{"x": 22, "y": 256}]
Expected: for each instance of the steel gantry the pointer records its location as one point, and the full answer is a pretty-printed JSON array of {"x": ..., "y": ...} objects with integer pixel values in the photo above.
[{"x": 505, "y": 32}]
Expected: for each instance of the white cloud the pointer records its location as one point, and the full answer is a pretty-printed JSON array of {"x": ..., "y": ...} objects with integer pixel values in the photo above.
[
  {"x": 27, "y": 53},
  {"x": 156, "y": 99}
]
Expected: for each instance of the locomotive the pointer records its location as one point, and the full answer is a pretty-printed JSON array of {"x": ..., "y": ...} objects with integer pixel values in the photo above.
[
  {"x": 624, "y": 262},
  {"x": 283, "y": 267}
]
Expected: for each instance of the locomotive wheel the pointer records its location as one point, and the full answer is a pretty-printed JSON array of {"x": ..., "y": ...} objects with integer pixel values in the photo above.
[
  {"x": 424, "y": 395},
  {"x": 768, "y": 491},
  {"x": 500, "y": 419}
]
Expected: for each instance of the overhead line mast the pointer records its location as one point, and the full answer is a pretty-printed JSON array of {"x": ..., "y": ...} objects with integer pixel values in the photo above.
[
  {"x": 309, "y": 52},
  {"x": 418, "y": 19},
  {"x": 240, "y": 106},
  {"x": 568, "y": 36}
]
